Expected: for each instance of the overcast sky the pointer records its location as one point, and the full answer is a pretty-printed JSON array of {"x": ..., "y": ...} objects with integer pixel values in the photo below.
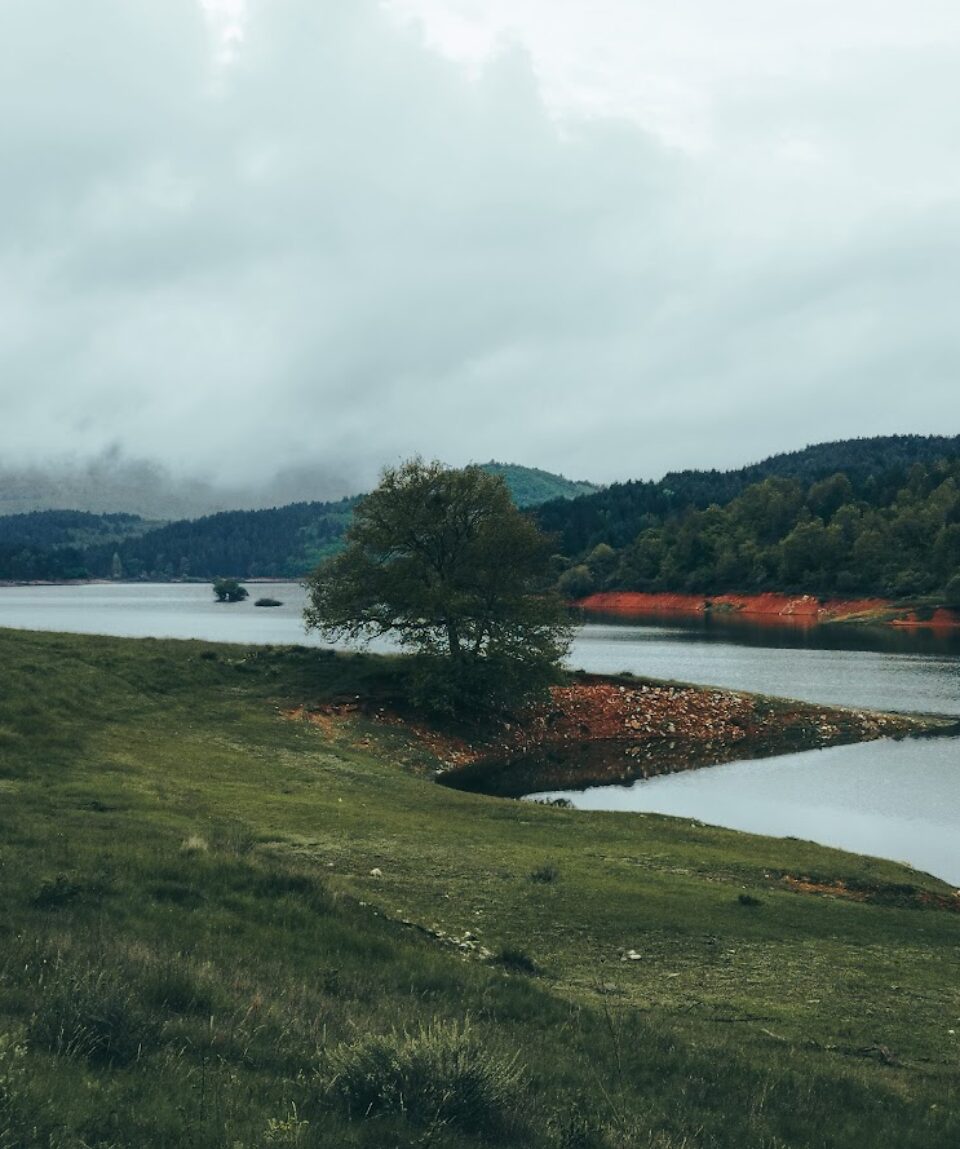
[{"x": 608, "y": 239}]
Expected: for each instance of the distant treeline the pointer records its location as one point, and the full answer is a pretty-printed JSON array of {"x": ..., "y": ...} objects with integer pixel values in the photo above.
[
  {"x": 280, "y": 542},
  {"x": 284, "y": 542},
  {"x": 895, "y": 533},
  {"x": 618, "y": 513},
  {"x": 867, "y": 516}
]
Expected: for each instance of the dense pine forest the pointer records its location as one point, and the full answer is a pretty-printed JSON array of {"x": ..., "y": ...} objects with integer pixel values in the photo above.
[{"x": 867, "y": 516}]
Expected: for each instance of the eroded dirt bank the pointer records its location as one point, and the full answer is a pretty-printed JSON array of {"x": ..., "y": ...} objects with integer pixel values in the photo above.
[
  {"x": 804, "y": 610},
  {"x": 600, "y": 730}
]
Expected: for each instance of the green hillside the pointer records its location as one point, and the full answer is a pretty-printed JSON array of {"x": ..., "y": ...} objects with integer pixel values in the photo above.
[
  {"x": 221, "y": 927},
  {"x": 530, "y": 486},
  {"x": 891, "y": 531},
  {"x": 615, "y": 514},
  {"x": 277, "y": 542}
]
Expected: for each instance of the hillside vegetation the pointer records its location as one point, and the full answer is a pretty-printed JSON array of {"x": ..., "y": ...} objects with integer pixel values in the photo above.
[
  {"x": 530, "y": 486},
  {"x": 893, "y": 533},
  {"x": 863, "y": 517},
  {"x": 276, "y": 542},
  {"x": 615, "y": 514},
  {"x": 224, "y": 927}
]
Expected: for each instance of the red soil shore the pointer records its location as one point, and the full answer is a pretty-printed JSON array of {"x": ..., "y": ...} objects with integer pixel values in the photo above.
[{"x": 803, "y": 610}]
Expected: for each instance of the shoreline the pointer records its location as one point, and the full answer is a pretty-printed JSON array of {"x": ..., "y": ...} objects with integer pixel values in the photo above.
[
  {"x": 613, "y": 730},
  {"x": 770, "y": 607}
]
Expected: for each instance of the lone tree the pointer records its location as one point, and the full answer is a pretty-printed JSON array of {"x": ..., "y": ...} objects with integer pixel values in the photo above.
[
  {"x": 443, "y": 559},
  {"x": 229, "y": 590}
]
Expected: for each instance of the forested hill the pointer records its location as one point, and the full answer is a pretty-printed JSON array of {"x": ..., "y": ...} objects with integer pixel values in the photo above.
[
  {"x": 282, "y": 542},
  {"x": 893, "y": 533},
  {"x": 54, "y": 544},
  {"x": 869, "y": 516},
  {"x": 279, "y": 542},
  {"x": 615, "y": 515},
  {"x": 530, "y": 486}
]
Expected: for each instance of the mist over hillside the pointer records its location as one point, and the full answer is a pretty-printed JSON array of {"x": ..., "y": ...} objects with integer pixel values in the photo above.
[{"x": 112, "y": 483}]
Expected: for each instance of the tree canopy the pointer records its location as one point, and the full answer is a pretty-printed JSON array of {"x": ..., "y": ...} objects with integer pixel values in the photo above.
[
  {"x": 443, "y": 560},
  {"x": 229, "y": 590}
]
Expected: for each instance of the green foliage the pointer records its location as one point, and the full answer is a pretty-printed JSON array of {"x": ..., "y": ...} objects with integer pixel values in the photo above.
[
  {"x": 529, "y": 486},
  {"x": 229, "y": 590},
  {"x": 875, "y": 467},
  {"x": 577, "y": 582},
  {"x": 444, "y": 560},
  {"x": 894, "y": 535},
  {"x": 442, "y": 1074},
  {"x": 951, "y": 593}
]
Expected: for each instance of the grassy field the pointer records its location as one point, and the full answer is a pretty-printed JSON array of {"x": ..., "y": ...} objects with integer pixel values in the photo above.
[{"x": 221, "y": 927}]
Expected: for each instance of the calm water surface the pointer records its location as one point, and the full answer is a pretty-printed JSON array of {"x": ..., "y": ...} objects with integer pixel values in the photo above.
[{"x": 898, "y": 800}]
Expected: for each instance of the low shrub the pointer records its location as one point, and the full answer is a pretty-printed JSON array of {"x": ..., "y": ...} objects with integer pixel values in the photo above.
[
  {"x": 443, "y": 1074},
  {"x": 516, "y": 960},
  {"x": 545, "y": 874},
  {"x": 90, "y": 1015}
]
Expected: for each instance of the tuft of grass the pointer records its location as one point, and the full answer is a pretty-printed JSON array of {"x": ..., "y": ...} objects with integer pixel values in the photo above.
[
  {"x": 545, "y": 874},
  {"x": 442, "y": 1074},
  {"x": 516, "y": 960},
  {"x": 93, "y": 1016},
  {"x": 174, "y": 986}
]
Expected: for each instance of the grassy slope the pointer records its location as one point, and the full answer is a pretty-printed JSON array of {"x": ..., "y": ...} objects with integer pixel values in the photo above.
[{"x": 211, "y": 976}]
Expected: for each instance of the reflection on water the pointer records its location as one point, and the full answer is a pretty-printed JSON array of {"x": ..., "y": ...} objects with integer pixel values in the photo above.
[
  {"x": 897, "y": 800},
  {"x": 760, "y": 630},
  {"x": 905, "y": 675}
]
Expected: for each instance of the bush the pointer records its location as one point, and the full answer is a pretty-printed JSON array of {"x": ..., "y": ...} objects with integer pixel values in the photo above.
[
  {"x": 545, "y": 874},
  {"x": 443, "y": 1074},
  {"x": 268, "y": 602},
  {"x": 951, "y": 593},
  {"x": 229, "y": 590},
  {"x": 577, "y": 582}
]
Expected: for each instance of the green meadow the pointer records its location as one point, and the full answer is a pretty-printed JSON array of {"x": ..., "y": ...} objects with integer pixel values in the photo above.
[{"x": 221, "y": 927}]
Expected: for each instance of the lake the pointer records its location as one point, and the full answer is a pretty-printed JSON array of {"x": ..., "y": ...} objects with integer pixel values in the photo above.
[{"x": 898, "y": 800}]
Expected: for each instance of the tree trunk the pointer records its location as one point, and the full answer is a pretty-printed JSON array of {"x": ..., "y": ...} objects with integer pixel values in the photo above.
[{"x": 453, "y": 641}]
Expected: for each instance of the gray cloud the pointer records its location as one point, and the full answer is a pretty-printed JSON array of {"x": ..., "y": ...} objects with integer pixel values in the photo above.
[{"x": 345, "y": 248}]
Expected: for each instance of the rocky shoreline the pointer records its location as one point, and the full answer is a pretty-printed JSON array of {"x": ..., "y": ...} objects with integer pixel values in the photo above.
[{"x": 600, "y": 730}]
